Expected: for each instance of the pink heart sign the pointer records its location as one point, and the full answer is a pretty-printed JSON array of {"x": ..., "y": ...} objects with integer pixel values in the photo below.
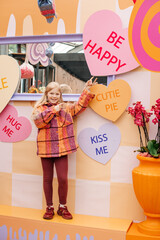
[
  {"x": 12, "y": 127},
  {"x": 106, "y": 45}
]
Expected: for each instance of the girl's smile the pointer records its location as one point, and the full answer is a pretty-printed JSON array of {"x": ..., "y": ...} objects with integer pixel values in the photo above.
[{"x": 54, "y": 96}]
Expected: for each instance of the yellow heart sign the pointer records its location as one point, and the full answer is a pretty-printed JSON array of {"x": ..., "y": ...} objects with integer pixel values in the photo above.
[
  {"x": 110, "y": 102},
  {"x": 9, "y": 78}
]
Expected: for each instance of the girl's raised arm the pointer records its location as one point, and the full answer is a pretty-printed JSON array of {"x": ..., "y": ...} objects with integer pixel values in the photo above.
[{"x": 84, "y": 99}]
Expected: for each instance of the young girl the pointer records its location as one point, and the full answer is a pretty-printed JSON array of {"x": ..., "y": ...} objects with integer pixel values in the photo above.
[{"x": 55, "y": 140}]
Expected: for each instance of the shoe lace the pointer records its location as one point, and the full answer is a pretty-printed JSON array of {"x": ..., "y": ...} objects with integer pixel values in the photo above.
[{"x": 50, "y": 209}]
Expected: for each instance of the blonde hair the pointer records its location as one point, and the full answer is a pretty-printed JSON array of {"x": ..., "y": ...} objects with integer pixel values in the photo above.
[{"x": 48, "y": 88}]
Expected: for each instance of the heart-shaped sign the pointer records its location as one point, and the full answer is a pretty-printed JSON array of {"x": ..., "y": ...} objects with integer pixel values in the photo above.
[
  {"x": 12, "y": 127},
  {"x": 9, "y": 78},
  {"x": 106, "y": 45},
  {"x": 100, "y": 145},
  {"x": 110, "y": 102}
]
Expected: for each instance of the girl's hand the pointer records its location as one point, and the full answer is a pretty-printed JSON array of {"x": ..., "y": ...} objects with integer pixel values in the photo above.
[
  {"x": 57, "y": 108},
  {"x": 60, "y": 106},
  {"x": 90, "y": 83}
]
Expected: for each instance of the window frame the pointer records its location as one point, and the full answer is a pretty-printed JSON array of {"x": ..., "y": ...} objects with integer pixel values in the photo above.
[{"x": 47, "y": 39}]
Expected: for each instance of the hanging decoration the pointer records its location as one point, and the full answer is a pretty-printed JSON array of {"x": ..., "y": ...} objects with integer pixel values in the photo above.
[
  {"x": 49, "y": 53},
  {"x": 36, "y": 53},
  {"x": 48, "y": 9},
  {"x": 27, "y": 70}
]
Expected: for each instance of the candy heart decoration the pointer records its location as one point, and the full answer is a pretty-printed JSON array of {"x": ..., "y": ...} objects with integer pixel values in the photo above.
[
  {"x": 106, "y": 45},
  {"x": 12, "y": 127},
  {"x": 110, "y": 102},
  {"x": 100, "y": 145},
  {"x": 9, "y": 78}
]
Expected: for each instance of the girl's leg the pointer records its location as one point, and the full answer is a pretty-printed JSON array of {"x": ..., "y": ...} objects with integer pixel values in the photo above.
[
  {"x": 47, "y": 166},
  {"x": 61, "y": 164}
]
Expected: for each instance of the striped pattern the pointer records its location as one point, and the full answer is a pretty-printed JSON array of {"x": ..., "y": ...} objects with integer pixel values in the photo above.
[
  {"x": 55, "y": 129},
  {"x": 47, "y": 9}
]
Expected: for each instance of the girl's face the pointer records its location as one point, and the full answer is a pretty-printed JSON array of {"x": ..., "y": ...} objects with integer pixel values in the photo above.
[{"x": 54, "y": 96}]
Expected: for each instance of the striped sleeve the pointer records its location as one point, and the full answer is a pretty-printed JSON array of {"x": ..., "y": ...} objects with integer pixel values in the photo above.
[
  {"x": 43, "y": 116},
  {"x": 82, "y": 103}
]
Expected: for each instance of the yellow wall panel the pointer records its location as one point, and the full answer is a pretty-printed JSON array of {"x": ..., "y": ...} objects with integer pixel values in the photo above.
[
  {"x": 90, "y": 169},
  {"x": 6, "y": 188},
  {"x": 25, "y": 159},
  {"x": 123, "y": 203}
]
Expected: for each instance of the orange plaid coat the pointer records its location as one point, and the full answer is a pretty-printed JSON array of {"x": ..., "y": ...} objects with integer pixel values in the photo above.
[{"x": 55, "y": 129}]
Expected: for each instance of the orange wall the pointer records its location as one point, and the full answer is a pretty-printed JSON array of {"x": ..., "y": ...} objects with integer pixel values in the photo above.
[
  {"x": 21, "y": 18},
  {"x": 66, "y": 10}
]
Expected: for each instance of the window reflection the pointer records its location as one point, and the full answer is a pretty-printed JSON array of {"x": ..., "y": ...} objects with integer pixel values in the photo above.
[{"x": 67, "y": 65}]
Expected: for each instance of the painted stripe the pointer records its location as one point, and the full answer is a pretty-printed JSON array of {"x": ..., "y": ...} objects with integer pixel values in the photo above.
[
  {"x": 50, "y": 140},
  {"x": 48, "y": 144},
  {"x": 66, "y": 142},
  {"x": 71, "y": 141},
  {"x": 48, "y": 12},
  {"x": 54, "y": 135}
]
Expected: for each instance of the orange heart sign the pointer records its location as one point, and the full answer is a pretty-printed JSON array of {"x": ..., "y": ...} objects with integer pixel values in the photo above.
[
  {"x": 110, "y": 102},
  {"x": 9, "y": 78}
]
